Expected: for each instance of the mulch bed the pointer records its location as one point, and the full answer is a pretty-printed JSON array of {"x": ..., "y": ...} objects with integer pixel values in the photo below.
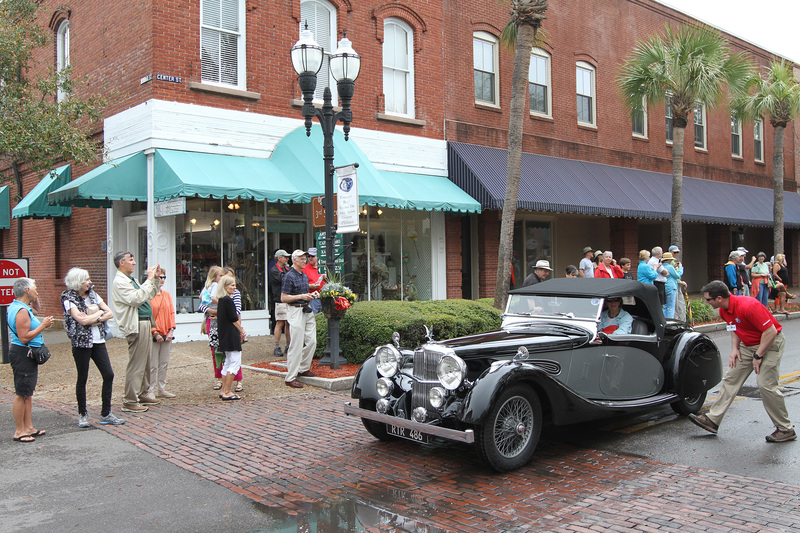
[{"x": 321, "y": 371}]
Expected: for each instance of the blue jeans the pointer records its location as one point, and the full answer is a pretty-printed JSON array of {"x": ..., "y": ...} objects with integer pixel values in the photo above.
[
  {"x": 763, "y": 293},
  {"x": 669, "y": 307}
]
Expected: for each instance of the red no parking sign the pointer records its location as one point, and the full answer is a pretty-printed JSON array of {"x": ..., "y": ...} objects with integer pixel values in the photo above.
[{"x": 10, "y": 271}]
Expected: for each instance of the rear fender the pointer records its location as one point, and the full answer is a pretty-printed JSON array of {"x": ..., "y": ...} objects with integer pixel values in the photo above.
[{"x": 696, "y": 365}]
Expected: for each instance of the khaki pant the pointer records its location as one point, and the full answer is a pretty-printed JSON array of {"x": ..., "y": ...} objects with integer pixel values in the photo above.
[
  {"x": 157, "y": 367},
  {"x": 768, "y": 376},
  {"x": 303, "y": 342},
  {"x": 137, "y": 376}
]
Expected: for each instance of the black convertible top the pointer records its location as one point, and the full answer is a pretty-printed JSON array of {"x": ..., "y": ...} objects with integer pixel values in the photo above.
[{"x": 603, "y": 288}]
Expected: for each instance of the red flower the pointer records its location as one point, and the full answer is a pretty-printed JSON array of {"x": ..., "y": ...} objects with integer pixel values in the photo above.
[{"x": 341, "y": 303}]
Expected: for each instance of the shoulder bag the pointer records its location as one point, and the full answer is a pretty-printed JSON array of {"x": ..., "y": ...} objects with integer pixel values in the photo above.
[{"x": 40, "y": 354}]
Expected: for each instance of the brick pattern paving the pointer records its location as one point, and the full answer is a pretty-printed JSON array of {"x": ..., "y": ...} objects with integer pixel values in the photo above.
[{"x": 289, "y": 453}]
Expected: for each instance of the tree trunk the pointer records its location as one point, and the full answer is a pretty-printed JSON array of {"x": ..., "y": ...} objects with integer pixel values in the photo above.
[
  {"x": 18, "y": 177},
  {"x": 519, "y": 92},
  {"x": 777, "y": 183},
  {"x": 676, "y": 209}
]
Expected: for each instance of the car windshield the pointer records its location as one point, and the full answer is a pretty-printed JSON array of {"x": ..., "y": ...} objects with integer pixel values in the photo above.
[{"x": 586, "y": 308}]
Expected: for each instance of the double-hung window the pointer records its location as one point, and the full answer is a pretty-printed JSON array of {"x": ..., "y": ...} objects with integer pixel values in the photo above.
[
  {"x": 758, "y": 140},
  {"x": 668, "y": 118},
  {"x": 485, "y": 61},
  {"x": 736, "y": 137},
  {"x": 62, "y": 52},
  {"x": 539, "y": 93},
  {"x": 398, "y": 67},
  {"x": 700, "y": 126},
  {"x": 585, "y": 88},
  {"x": 639, "y": 121},
  {"x": 222, "y": 42},
  {"x": 321, "y": 18}
]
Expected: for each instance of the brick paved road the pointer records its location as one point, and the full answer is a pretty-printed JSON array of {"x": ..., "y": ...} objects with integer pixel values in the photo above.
[{"x": 293, "y": 453}]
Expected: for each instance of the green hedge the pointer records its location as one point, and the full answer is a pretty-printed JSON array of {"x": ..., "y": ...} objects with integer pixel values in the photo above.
[
  {"x": 701, "y": 311},
  {"x": 370, "y": 324}
]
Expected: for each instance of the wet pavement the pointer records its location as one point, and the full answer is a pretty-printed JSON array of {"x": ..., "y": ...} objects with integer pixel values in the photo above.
[{"x": 299, "y": 464}]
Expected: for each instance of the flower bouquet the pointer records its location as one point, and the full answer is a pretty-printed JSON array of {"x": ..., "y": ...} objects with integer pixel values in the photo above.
[{"x": 336, "y": 299}]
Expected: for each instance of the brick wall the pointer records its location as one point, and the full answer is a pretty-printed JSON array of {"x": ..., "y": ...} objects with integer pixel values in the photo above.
[{"x": 455, "y": 261}]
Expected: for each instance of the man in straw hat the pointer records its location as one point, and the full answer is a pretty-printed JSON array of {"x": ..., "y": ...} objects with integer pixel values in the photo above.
[{"x": 540, "y": 273}]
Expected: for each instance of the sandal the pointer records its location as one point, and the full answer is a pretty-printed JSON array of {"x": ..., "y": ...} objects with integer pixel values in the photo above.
[
  {"x": 24, "y": 438},
  {"x": 218, "y": 385},
  {"x": 230, "y": 398},
  {"x": 239, "y": 387}
]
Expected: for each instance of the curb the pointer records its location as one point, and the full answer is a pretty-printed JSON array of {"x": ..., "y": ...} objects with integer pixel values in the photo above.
[
  {"x": 719, "y": 326},
  {"x": 334, "y": 384}
]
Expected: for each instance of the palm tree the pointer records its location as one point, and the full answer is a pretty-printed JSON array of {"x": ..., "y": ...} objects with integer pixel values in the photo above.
[
  {"x": 776, "y": 95},
  {"x": 526, "y": 19},
  {"x": 683, "y": 68}
]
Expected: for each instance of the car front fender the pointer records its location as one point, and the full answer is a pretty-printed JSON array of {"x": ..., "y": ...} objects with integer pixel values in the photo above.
[
  {"x": 696, "y": 365},
  {"x": 365, "y": 380},
  {"x": 492, "y": 382}
]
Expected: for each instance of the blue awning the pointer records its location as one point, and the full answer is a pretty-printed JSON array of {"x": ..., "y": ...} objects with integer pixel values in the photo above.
[
  {"x": 35, "y": 205},
  {"x": 5, "y": 207},
  {"x": 571, "y": 186},
  {"x": 122, "y": 179}
]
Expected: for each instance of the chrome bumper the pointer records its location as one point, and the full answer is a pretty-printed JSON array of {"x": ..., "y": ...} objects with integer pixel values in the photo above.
[{"x": 467, "y": 436}]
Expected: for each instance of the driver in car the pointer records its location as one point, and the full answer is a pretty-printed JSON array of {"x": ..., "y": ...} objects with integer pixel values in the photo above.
[{"x": 614, "y": 320}]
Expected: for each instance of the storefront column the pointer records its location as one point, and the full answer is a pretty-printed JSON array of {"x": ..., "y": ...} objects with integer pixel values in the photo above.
[
  {"x": 160, "y": 232},
  {"x": 719, "y": 242}
]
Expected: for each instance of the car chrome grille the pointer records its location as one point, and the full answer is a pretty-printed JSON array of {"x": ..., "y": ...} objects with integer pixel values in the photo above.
[{"x": 426, "y": 359}]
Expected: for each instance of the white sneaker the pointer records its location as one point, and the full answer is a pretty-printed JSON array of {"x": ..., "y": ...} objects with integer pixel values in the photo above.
[
  {"x": 83, "y": 421},
  {"x": 111, "y": 419}
]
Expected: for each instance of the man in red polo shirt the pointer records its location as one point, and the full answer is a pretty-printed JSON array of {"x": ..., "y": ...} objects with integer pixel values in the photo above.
[
  {"x": 315, "y": 279},
  {"x": 757, "y": 344}
]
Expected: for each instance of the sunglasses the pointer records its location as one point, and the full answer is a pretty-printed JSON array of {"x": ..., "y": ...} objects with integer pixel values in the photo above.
[
  {"x": 709, "y": 299},
  {"x": 163, "y": 277}
]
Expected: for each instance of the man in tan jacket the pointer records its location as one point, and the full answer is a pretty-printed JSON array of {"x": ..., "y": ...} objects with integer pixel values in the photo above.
[{"x": 131, "y": 304}]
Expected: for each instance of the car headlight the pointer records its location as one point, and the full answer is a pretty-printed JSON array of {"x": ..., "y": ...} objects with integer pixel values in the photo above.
[
  {"x": 387, "y": 360},
  {"x": 384, "y": 387},
  {"x": 451, "y": 371},
  {"x": 436, "y": 397}
]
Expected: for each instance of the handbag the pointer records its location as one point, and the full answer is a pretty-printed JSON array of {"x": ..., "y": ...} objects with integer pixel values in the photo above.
[
  {"x": 107, "y": 335},
  {"x": 40, "y": 354}
]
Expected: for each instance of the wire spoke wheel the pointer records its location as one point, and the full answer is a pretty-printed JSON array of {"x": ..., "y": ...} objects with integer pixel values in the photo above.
[{"x": 510, "y": 432}]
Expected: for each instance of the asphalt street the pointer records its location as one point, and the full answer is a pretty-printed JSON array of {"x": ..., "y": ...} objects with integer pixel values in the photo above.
[{"x": 739, "y": 448}]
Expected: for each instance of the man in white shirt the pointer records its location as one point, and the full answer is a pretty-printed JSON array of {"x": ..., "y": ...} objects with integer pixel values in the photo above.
[{"x": 661, "y": 280}]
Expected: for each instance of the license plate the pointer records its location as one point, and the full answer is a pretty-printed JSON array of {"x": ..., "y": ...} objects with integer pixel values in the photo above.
[{"x": 406, "y": 433}]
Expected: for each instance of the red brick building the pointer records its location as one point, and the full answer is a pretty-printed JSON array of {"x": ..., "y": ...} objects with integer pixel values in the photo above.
[{"x": 204, "y": 105}]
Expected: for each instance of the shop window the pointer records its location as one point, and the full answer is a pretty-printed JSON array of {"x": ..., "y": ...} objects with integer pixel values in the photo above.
[
  {"x": 532, "y": 242},
  {"x": 222, "y": 42},
  {"x": 391, "y": 258},
  {"x": 398, "y": 67},
  {"x": 224, "y": 233}
]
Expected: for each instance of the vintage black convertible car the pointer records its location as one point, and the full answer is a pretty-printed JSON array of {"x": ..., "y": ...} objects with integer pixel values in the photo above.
[{"x": 547, "y": 362}]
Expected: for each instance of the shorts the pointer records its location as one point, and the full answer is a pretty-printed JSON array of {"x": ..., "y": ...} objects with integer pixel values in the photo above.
[
  {"x": 26, "y": 371},
  {"x": 281, "y": 311}
]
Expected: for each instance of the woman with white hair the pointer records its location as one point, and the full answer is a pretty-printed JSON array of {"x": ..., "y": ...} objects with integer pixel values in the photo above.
[
  {"x": 26, "y": 333},
  {"x": 85, "y": 317}
]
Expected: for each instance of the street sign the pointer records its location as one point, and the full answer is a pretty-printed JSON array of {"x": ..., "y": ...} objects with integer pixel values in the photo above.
[
  {"x": 10, "y": 271},
  {"x": 322, "y": 253}
]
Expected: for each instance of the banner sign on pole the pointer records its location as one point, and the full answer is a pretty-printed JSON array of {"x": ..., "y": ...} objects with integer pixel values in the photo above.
[{"x": 347, "y": 206}]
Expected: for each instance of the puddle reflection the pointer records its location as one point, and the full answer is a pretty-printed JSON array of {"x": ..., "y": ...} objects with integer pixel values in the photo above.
[{"x": 349, "y": 515}]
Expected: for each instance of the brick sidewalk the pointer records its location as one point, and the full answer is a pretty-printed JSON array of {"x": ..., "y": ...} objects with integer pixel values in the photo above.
[{"x": 289, "y": 453}]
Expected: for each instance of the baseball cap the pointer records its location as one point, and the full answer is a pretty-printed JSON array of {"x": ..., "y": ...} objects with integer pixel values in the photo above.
[
  {"x": 312, "y": 251},
  {"x": 281, "y": 253},
  {"x": 742, "y": 249},
  {"x": 674, "y": 248},
  {"x": 297, "y": 254}
]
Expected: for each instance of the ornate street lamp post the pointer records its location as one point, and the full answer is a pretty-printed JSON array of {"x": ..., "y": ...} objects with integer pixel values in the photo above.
[{"x": 345, "y": 64}]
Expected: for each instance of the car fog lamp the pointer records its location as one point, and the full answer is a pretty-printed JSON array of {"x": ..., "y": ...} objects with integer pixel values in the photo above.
[
  {"x": 384, "y": 386},
  {"x": 419, "y": 414},
  {"x": 387, "y": 360},
  {"x": 436, "y": 397},
  {"x": 382, "y": 406},
  {"x": 451, "y": 371}
]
